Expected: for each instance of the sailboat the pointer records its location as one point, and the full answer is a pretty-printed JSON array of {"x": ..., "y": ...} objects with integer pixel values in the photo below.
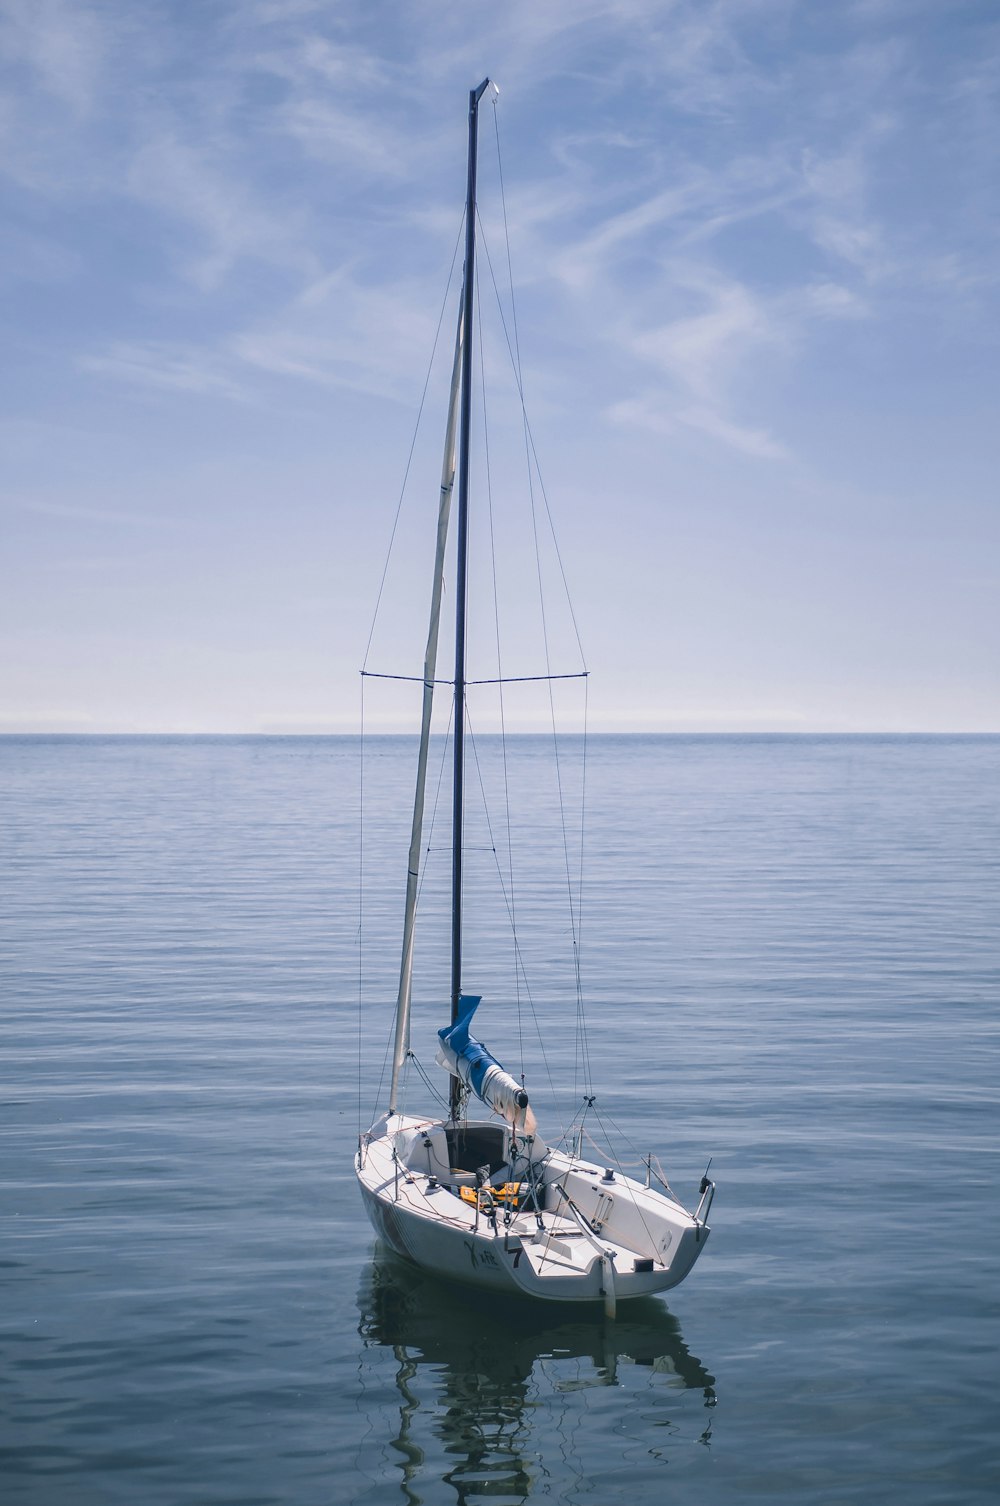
[{"x": 485, "y": 1200}]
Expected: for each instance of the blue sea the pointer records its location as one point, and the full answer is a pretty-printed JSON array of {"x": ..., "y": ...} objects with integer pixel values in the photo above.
[{"x": 790, "y": 957}]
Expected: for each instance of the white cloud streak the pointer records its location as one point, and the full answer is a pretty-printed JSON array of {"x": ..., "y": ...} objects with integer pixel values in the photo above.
[
  {"x": 58, "y": 42},
  {"x": 168, "y": 368}
]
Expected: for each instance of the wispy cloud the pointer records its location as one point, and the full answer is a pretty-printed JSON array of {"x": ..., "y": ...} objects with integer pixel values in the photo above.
[
  {"x": 836, "y": 214},
  {"x": 705, "y": 355},
  {"x": 336, "y": 333},
  {"x": 659, "y": 413},
  {"x": 182, "y": 181},
  {"x": 699, "y": 351},
  {"x": 722, "y": 213},
  {"x": 700, "y": 355},
  {"x": 340, "y": 332},
  {"x": 60, "y": 43},
  {"x": 176, "y": 369},
  {"x": 750, "y": 441}
]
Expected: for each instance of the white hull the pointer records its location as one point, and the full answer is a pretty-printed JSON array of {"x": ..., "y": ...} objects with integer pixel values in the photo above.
[{"x": 597, "y": 1238}]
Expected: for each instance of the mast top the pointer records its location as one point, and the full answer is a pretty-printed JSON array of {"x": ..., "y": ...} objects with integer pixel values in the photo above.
[{"x": 487, "y": 85}]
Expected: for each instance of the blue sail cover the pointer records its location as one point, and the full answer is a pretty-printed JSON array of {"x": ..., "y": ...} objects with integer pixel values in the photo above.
[
  {"x": 468, "y": 1059},
  {"x": 471, "y": 1057}
]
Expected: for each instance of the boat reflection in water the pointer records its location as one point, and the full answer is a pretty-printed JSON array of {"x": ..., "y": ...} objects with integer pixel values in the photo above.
[{"x": 490, "y": 1392}]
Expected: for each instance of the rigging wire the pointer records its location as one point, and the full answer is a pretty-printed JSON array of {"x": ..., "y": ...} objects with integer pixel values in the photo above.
[
  {"x": 420, "y": 886},
  {"x": 437, "y": 797},
  {"x": 635, "y": 1201},
  {"x": 388, "y": 1045},
  {"x": 581, "y": 1023},
  {"x": 413, "y": 444},
  {"x": 423, "y": 874},
  {"x": 365, "y": 673},
  {"x": 581, "y": 1052},
  {"x": 520, "y": 384},
  {"x": 511, "y": 906},
  {"x": 519, "y": 958},
  {"x": 534, "y": 453},
  {"x": 428, "y": 1084},
  {"x": 506, "y": 236},
  {"x": 361, "y": 904}
]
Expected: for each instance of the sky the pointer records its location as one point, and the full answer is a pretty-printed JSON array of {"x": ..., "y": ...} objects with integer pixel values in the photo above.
[{"x": 755, "y": 261}]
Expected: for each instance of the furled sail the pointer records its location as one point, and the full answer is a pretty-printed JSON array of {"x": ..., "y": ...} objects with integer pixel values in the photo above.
[
  {"x": 468, "y": 1060},
  {"x": 401, "y": 1044}
]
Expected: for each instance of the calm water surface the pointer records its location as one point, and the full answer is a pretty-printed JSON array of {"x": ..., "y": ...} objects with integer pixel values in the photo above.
[{"x": 791, "y": 956}]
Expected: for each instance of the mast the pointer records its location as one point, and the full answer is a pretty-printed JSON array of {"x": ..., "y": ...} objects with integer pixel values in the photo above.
[{"x": 461, "y": 584}]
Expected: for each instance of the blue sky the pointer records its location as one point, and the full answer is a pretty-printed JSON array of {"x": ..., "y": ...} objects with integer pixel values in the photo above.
[{"x": 755, "y": 249}]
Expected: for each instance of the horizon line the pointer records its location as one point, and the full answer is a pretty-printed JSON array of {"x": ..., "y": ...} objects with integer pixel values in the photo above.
[{"x": 497, "y": 732}]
